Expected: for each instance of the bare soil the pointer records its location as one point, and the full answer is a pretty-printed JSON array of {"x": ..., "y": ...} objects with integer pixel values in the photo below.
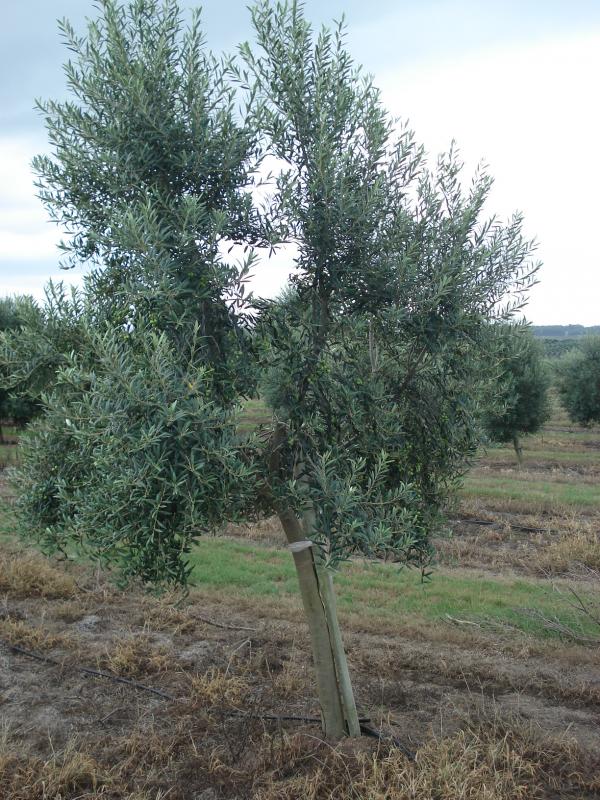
[
  {"x": 212, "y": 738},
  {"x": 489, "y": 713}
]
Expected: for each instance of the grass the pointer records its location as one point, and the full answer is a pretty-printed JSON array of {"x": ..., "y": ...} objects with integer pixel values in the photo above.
[
  {"x": 372, "y": 592},
  {"x": 68, "y": 773},
  {"x": 32, "y": 637},
  {"x": 490, "y": 758},
  {"x": 382, "y": 591},
  {"x": 255, "y": 413},
  {"x": 9, "y": 455},
  {"x": 577, "y": 457},
  {"x": 135, "y": 657},
  {"x": 569, "y": 551},
  {"x": 547, "y": 494},
  {"x": 27, "y": 574}
]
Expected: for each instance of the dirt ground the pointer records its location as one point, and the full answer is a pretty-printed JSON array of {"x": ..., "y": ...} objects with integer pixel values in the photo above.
[
  {"x": 227, "y": 666},
  {"x": 195, "y": 693}
]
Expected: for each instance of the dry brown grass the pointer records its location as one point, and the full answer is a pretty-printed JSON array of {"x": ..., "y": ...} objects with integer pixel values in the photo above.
[
  {"x": 489, "y": 759},
  {"x": 291, "y": 680},
  {"x": 216, "y": 688},
  {"x": 28, "y": 574},
  {"x": 70, "y": 611},
  {"x": 266, "y": 531},
  {"x": 179, "y": 757},
  {"x": 66, "y": 774},
  {"x": 31, "y": 637},
  {"x": 135, "y": 656},
  {"x": 581, "y": 547},
  {"x": 471, "y": 670},
  {"x": 165, "y": 615}
]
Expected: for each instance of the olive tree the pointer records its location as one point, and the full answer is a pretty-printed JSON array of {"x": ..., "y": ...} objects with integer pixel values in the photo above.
[
  {"x": 396, "y": 275},
  {"x": 519, "y": 404},
  {"x": 15, "y": 403},
  {"x": 579, "y": 381},
  {"x": 374, "y": 359}
]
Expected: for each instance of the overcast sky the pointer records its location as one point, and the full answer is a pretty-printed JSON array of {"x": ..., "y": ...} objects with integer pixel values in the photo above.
[{"x": 515, "y": 83}]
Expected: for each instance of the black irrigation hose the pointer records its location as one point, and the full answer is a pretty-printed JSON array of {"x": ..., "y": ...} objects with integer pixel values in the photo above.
[
  {"x": 369, "y": 730},
  {"x": 365, "y": 727},
  {"x": 89, "y": 671}
]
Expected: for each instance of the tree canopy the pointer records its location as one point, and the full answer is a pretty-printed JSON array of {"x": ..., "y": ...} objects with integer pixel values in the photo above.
[
  {"x": 15, "y": 404},
  {"x": 374, "y": 359},
  {"x": 520, "y": 403},
  {"x": 579, "y": 381}
]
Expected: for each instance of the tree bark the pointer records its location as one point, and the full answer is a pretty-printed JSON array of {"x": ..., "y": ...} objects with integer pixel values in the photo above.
[
  {"x": 336, "y": 698},
  {"x": 518, "y": 449}
]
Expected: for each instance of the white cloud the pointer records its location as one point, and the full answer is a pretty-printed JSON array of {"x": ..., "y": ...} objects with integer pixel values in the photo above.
[
  {"x": 530, "y": 111},
  {"x": 23, "y": 282},
  {"x": 25, "y": 233}
]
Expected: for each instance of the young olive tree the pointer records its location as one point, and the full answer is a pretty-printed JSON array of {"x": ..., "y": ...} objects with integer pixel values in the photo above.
[
  {"x": 374, "y": 359},
  {"x": 579, "y": 381},
  {"x": 520, "y": 405},
  {"x": 374, "y": 353}
]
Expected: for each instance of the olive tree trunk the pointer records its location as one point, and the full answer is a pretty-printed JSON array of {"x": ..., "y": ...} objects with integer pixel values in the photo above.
[
  {"x": 336, "y": 698},
  {"x": 518, "y": 449}
]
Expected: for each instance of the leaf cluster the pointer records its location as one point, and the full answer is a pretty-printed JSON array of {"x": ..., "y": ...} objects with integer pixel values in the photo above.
[
  {"x": 133, "y": 459},
  {"x": 377, "y": 350}
]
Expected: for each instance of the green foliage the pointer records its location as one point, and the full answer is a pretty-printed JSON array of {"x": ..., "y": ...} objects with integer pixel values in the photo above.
[
  {"x": 520, "y": 402},
  {"x": 554, "y": 348},
  {"x": 564, "y": 331},
  {"x": 150, "y": 174},
  {"x": 43, "y": 340},
  {"x": 14, "y": 403},
  {"x": 372, "y": 359},
  {"x": 133, "y": 460},
  {"x": 579, "y": 382}
]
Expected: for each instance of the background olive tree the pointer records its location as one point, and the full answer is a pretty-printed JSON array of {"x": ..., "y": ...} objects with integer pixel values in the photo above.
[
  {"x": 520, "y": 403},
  {"x": 16, "y": 405},
  {"x": 579, "y": 381},
  {"x": 374, "y": 361}
]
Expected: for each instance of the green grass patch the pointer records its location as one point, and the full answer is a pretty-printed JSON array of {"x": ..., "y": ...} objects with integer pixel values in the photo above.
[
  {"x": 254, "y": 414},
  {"x": 7, "y": 523},
  {"x": 9, "y": 455},
  {"x": 382, "y": 591},
  {"x": 374, "y": 591},
  {"x": 584, "y": 458},
  {"x": 565, "y": 434},
  {"x": 546, "y": 493}
]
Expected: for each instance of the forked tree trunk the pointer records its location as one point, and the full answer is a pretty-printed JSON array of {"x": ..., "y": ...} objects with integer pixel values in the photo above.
[{"x": 336, "y": 698}]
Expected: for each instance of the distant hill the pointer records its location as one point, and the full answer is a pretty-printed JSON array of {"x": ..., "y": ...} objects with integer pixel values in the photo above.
[{"x": 563, "y": 331}]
